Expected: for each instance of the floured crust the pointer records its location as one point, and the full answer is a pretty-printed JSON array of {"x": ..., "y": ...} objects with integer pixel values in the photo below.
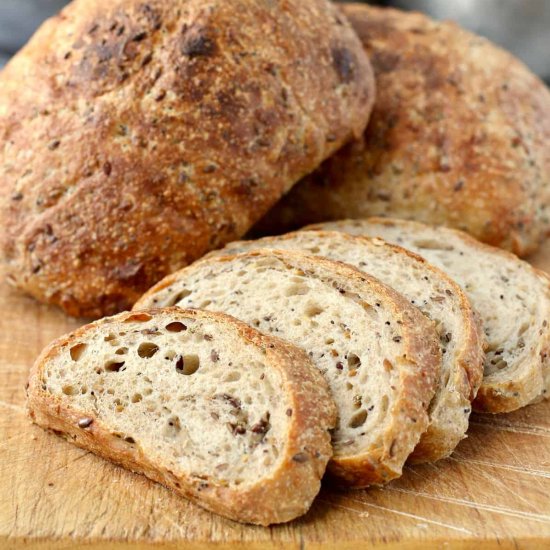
[
  {"x": 280, "y": 497},
  {"x": 447, "y": 429},
  {"x": 138, "y": 136},
  {"x": 384, "y": 459},
  {"x": 533, "y": 383},
  {"x": 458, "y": 136}
]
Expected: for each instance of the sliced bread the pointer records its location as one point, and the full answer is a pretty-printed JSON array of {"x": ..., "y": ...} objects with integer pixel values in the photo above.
[
  {"x": 437, "y": 296},
  {"x": 232, "y": 419},
  {"x": 511, "y": 297},
  {"x": 379, "y": 354}
]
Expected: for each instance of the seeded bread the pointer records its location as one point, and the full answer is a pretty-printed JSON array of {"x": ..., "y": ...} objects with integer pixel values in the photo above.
[
  {"x": 511, "y": 297},
  {"x": 232, "y": 419},
  {"x": 379, "y": 354},
  {"x": 437, "y": 296},
  {"x": 136, "y": 136},
  {"x": 458, "y": 136}
]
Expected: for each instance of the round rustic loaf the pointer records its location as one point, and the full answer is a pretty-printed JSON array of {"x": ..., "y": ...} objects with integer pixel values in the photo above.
[
  {"x": 458, "y": 136},
  {"x": 136, "y": 136}
]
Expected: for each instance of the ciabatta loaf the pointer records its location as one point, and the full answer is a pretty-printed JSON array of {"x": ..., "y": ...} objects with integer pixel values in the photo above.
[
  {"x": 437, "y": 296},
  {"x": 232, "y": 419},
  {"x": 379, "y": 354},
  {"x": 511, "y": 297}
]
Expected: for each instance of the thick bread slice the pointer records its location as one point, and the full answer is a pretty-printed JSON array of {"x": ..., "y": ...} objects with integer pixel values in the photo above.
[
  {"x": 379, "y": 354},
  {"x": 232, "y": 419},
  {"x": 437, "y": 296},
  {"x": 511, "y": 297}
]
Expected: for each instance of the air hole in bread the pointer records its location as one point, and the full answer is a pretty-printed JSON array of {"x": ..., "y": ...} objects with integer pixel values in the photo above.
[
  {"x": 523, "y": 328},
  {"x": 176, "y": 326},
  {"x": 110, "y": 337},
  {"x": 384, "y": 404},
  {"x": 353, "y": 361},
  {"x": 114, "y": 366},
  {"x": 358, "y": 419},
  {"x": 313, "y": 310},
  {"x": 173, "y": 427},
  {"x": 233, "y": 376},
  {"x": 329, "y": 341},
  {"x": 205, "y": 304},
  {"x": 77, "y": 351},
  {"x": 137, "y": 397},
  {"x": 69, "y": 390},
  {"x": 121, "y": 351},
  {"x": 314, "y": 250},
  {"x": 178, "y": 297},
  {"x": 140, "y": 317},
  {"x": 297, "y": 290},
  {"x": 429, "y": 244},
  {"x": 147, "y": 350},
  {"x": 188, "y": 364}
]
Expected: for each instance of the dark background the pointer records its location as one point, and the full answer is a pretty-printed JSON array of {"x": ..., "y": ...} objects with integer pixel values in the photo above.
[{"x": 522, "y": 26}]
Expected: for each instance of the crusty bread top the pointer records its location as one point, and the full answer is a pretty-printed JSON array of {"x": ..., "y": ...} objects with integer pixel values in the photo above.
[
  {"x": 137, "y": 136},
  {"x": 435, "y": 294},
  {"x": 234, "y": 419},
  {"x": 458, "y": 136},
  {"x": 511, "y": 297},
  {"x": 379, "y": 354}
]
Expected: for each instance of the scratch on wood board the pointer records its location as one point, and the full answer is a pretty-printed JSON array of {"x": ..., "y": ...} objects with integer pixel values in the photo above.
[
  {"x": 398, "y": 512},
  {"x": 478, "y": 506},
  {"x": 528, "y": 429},
  {"x": 518, "y": 469}
]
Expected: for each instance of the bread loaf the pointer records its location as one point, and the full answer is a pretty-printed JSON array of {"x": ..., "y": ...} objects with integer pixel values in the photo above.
[
  {"x": 232, "y": 419},
  {"x": 379, "y": 354},
  {"x": 136, "y": 136},
  {"x": 458, "y": 136},
  {"x": 437, "y": 296},
  {"x": 511, "y": 297}
]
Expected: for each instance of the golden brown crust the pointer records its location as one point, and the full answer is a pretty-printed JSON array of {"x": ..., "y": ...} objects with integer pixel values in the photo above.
[
  {"x": 286, "y": 494},
  {"x": 138, "y": 136},
  {"x": 458, "y": 136},
  {"x": 384, "y": 460}
]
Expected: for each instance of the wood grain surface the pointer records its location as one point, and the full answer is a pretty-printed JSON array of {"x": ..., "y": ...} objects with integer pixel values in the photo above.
[{"x": 494, "y": 492}]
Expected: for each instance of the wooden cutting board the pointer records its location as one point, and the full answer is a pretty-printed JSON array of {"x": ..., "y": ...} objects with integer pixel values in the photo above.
[{"x": 493, "y": 492}]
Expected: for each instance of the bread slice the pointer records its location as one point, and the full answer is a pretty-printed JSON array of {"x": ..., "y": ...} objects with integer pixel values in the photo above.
[
  {"x": 437, "y": 296},
  {"x": 235, "y": 420},
  {"x": 379, "y": 354},
  {"x": 512, "y": 298}
]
